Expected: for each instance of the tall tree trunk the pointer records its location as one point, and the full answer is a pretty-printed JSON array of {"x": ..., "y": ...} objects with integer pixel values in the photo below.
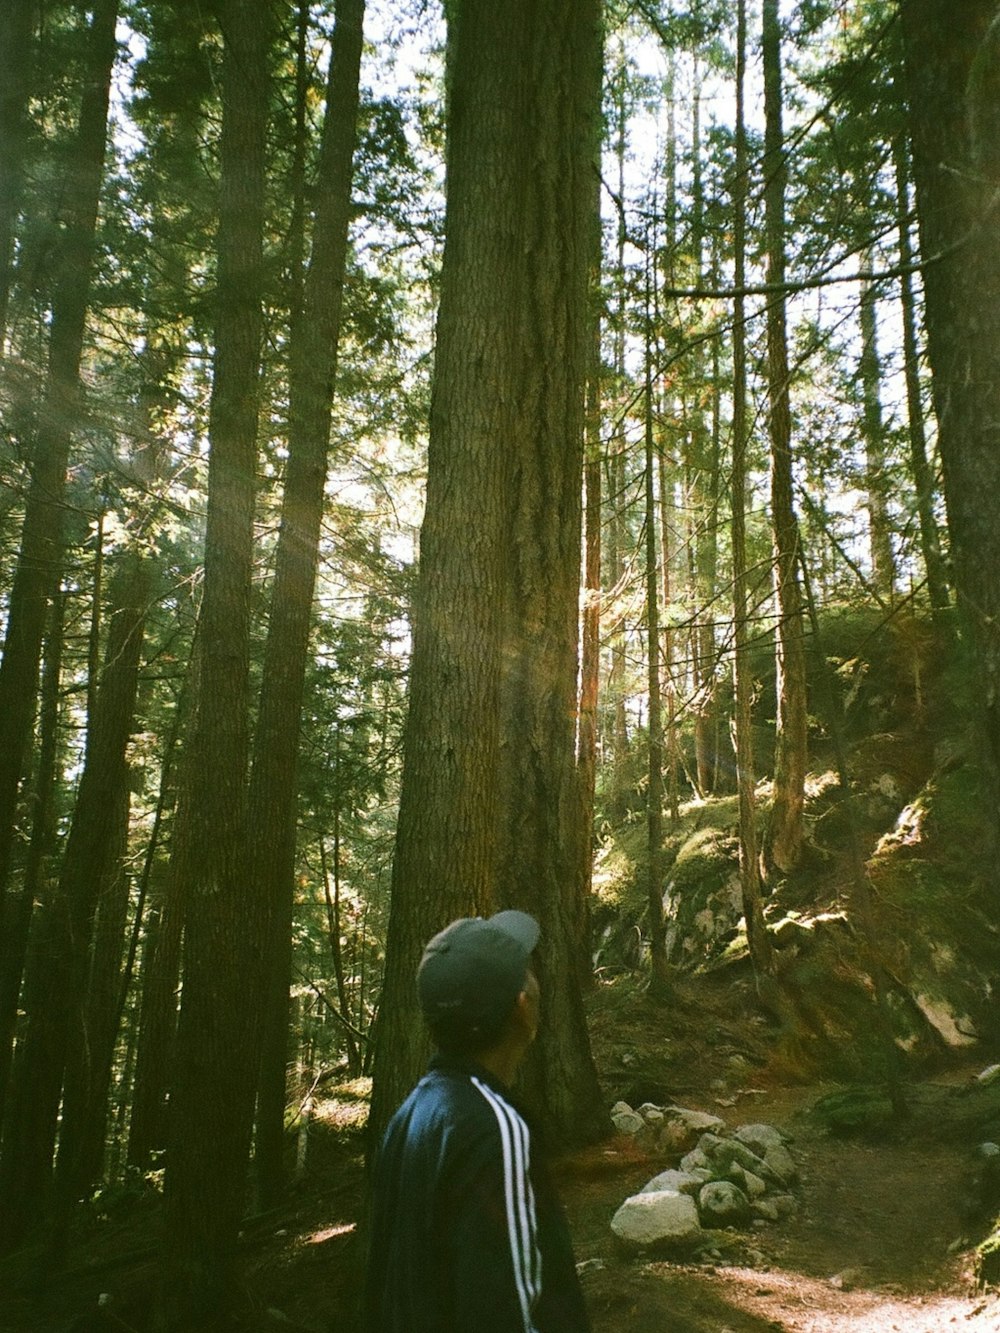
[
  {"x": 212, "y": 1100},
  {"x": 40, "y": 560},
  {"x": 703, "y": 465},
  {"x": 273, "y": 791},
  {"x": 17, "y": 65},
  {"x": 83, "y": 1127},
  {"x": 489, "y": 810},
  {"x": 590, "y": 637},
  {"x": 659, "y": 980},
  {"x": 784, "y": 843},
  {"x": 55, "y": 988},
  {"x": 761, "y": 953},
  {"x": 952, "y": 60},
  {"x": 14, "y": 942},
  {"x": 94, "y": 1032},
  {"x": 923, "y": 477},
  {"x": 540, "y": 828},
  {"x": 154, "y": 1057},
  {"x": 876, "y": 484}
]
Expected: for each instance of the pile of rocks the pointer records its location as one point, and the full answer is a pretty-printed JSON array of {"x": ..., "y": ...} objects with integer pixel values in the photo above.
[{"x": 726, "y": 1178}]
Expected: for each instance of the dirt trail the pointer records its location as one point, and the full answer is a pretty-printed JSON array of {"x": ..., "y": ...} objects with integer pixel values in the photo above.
[{"x": 868, "y": 1251}]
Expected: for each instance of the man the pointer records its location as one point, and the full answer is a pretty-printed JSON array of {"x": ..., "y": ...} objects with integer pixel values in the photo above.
[{"x": 467, "y": 1234}]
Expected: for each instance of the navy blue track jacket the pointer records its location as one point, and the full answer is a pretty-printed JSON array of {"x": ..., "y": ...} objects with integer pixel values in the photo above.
[{"x": 467, "y": 1235}]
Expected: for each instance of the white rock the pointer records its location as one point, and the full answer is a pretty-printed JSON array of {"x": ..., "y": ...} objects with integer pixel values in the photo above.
[
  {"x": 662, "y": 1218},
  {"x": 766, "y": 1210},
  {"x": 753, "y": 1185},
  {"x": 628, "y": 1122},
  {"x": 723, "y": 1204},
  {"x": 760, "y": 1137},
  {"x": 697, "y": 1121},
  {"x": 779, "y": 1160},
  {"x": 681, "y": 1182},
  {"x": 620, "y": 1108},
  {"x": 695, "y": 1161}
]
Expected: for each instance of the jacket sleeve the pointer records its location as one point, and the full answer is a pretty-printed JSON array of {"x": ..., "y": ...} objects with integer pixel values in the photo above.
[{"x": 491, "y": 1229}]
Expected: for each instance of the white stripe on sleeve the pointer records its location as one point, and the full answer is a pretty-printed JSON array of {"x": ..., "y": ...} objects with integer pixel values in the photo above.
[{"x": 520, "y": 1202}]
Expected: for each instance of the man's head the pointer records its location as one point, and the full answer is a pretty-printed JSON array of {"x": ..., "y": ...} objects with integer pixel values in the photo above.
[{"x": 472, "y": 976}]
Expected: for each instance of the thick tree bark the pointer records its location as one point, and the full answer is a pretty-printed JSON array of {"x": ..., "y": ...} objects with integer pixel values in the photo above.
[
  {"x": 39, "y": 563},
  {"x": 952, "y": 66},
  {"x": 212, "y": 1100},
  {"x": 784, "y": 842},
  {"x": 489, "y": 812},
  {"x": 273, "y": 792}
]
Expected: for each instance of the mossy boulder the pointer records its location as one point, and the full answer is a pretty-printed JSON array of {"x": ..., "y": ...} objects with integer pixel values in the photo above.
[{"x": 702, "y": 898}]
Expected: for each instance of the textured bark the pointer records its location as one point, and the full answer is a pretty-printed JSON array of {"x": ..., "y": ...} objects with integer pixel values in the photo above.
[
  {"x": 876, "y": 484},
  {"x": 14, "y": 942},
  {"x": 590, "y": 625},
  {"x": 17, "y": 63},
  {"x": 921, "y": 471},
  {"x": 489, "y": 812},
  {"x": 952, "y": 59},
  {"x": 761, "y": 952},
  {"x": 83, "y": 1122},
  {"x": 39, "y": 564},
  {"x": 703, "y": 497},
  {"x": 659, "y": 978},
  {"x": 273, "y": 790},
  {"x": 56, "y": 987},
  {"x": 784, "y": 842},
  {"x": 212, "y": 1100}
]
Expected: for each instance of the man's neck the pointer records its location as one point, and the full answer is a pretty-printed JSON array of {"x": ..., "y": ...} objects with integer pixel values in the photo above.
[{"x": 503, "y": 1061}]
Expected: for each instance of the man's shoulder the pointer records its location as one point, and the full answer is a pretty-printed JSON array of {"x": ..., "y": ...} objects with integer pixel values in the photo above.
[{"x": 460, "y": 1098}]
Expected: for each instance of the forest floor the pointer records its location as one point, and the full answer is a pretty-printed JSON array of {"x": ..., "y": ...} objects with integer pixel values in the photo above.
[{"x": 872, "y": 1248}]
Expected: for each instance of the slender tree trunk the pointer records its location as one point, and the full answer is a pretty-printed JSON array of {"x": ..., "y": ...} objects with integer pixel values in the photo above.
[
  {"x": 590, "y": 650},
  {"x": 160, "y": 972},
  {"x": 659, "y": 981},
  {"x": 14, "y": 943},
  {"x": 617, "y": 472},
  {"x": 212, "y": 1099},
  {"x": 703, "y": 472},
  {"x": 333, "y": 924},
  {"x": 17, "y": 66},
  {"x": 785, "y": 834},
  {"x": 94, "y": 1033},
  {"x": 40, "y": 560},
  {"x": 55, "y": 989},
  {"x": 761, "y": 953},
  {"x": 83, "y": 1128},
  {"x": 923, "y": 477},
  {"x": 876, "y": 483},
  {"x": 273, "y": 792}
]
